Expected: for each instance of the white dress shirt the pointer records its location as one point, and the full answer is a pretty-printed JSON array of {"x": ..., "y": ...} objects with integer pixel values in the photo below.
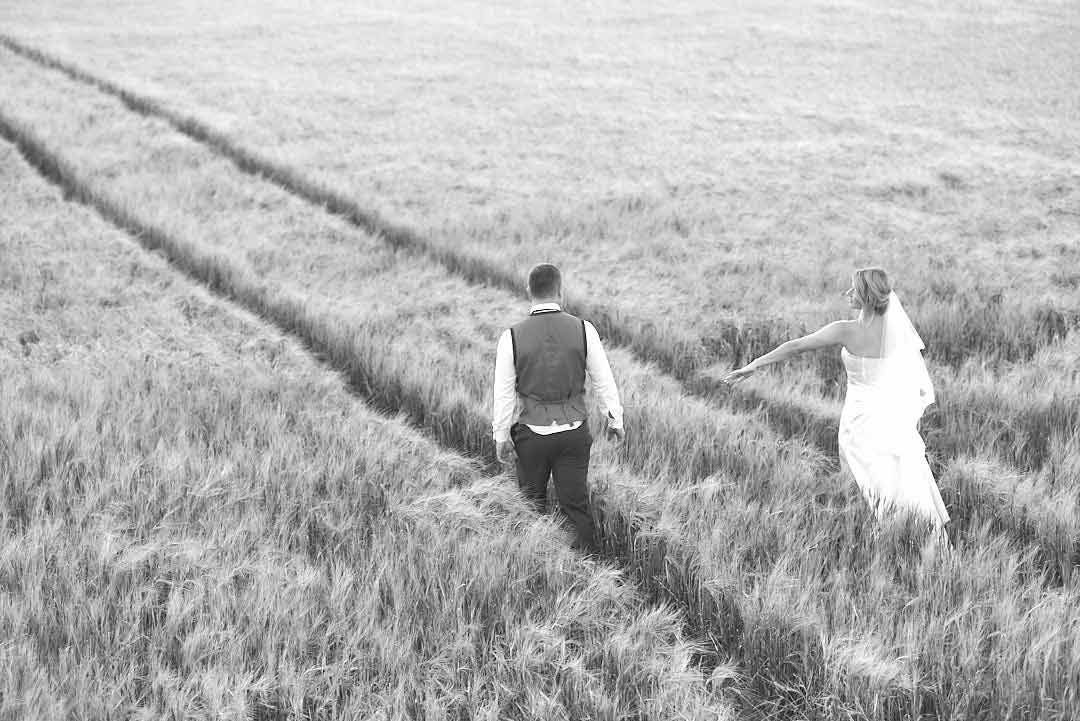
[{"x": 597, "y": 370}]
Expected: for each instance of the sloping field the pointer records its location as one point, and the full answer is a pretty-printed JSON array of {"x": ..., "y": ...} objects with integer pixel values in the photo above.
[
  {"x": 201, "y": 522},
  {"x": 723, "y": 158},
  {"x": 769, "y": 554}
]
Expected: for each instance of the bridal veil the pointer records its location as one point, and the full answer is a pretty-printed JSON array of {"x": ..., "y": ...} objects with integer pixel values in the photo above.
[{"x": 902, "y": 346}]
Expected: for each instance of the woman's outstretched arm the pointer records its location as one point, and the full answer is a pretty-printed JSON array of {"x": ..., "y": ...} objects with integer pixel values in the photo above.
[{"x": 833, "y": 334}]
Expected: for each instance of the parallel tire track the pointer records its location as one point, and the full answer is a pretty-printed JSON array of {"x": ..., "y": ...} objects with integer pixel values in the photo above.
[
  {"x": 662, "y": 570},
  {"x": 660, "y": 566},
  {"x": 682, "y": 358}
]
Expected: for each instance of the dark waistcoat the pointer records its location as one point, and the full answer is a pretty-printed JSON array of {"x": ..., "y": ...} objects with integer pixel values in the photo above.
[{"x": 549, "y": 357}]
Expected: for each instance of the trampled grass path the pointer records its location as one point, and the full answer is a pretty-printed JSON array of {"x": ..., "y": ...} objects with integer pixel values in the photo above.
[{"x": 682, "y": 356}]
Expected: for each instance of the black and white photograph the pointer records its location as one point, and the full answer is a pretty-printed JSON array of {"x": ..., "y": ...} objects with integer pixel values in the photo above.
[{"x": 393, "y": 360}]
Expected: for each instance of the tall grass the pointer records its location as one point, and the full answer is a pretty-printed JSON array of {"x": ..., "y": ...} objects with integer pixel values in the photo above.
[
  {"x": 652, "y": 545},
  {"x": 786, "y": 656}
]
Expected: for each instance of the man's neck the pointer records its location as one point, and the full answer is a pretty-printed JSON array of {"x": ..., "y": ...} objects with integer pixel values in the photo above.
[{"x": 545, "y": 304}]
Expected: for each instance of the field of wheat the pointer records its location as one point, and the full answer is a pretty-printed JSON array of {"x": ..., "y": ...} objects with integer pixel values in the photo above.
[{"x": 253, "y": 265}]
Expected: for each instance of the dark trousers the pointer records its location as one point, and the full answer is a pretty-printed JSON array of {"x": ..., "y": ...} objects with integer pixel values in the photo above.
[{"x": 565, "y": 457}]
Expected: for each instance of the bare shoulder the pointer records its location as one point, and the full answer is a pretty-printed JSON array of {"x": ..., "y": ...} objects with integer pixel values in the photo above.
[
  {"x": 844, "y": 329},
  {"x": 839, "y": 331},
  {"x": 835, "y": 333}
]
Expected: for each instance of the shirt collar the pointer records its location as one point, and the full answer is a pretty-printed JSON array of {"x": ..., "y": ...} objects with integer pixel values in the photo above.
[{"x": 540, "y": 307}]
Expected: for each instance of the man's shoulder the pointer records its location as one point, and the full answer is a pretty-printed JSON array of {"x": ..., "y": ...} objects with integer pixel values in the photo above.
[
  {"x": 560, "y": 316},
  {"x": 506, "y": 337}
]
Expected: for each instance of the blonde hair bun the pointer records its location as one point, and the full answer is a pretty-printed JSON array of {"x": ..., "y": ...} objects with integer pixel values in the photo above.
[{"x": 872, "y": 288}]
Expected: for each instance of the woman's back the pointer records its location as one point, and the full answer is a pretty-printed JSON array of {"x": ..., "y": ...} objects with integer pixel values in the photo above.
[{"x": 865, "y": 340}]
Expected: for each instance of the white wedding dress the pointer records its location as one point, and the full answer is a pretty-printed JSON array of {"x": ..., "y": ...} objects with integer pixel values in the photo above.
[{"x": 879, "y": 436}]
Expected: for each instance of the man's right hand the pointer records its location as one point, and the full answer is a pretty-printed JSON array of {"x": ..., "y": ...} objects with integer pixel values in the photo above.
[
  {"x": 504, "y": 452},
  {"x": 616, "y": 434}
]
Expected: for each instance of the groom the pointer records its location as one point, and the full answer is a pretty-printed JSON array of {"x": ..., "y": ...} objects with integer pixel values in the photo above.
[{"x": 540, "y": 415}]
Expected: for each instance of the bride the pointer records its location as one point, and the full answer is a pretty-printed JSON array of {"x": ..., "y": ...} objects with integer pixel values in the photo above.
[{"x": 887, "y": 391}]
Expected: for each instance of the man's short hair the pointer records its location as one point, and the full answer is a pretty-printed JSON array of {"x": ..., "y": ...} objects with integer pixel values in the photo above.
[{"x": 545, "y": 281}]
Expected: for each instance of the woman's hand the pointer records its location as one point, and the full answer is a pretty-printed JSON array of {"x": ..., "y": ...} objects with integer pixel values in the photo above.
[{"x": 737, "y": 375}]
